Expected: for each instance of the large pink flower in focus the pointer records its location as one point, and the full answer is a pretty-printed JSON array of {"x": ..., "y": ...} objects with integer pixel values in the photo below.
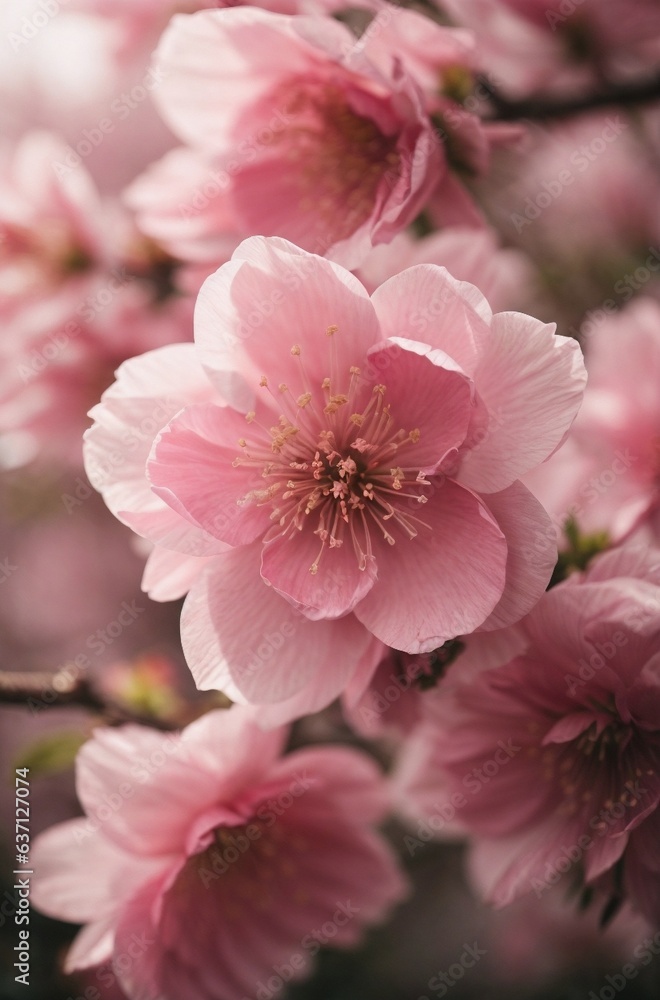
[
  {"x": 552, "y": 761},
  {"x": 349, "y": 465},
  {"x": 307, "y": 138},
  {"x": 263, "y": 851}
]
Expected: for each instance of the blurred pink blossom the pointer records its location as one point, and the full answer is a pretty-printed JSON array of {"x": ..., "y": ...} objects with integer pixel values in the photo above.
[
  {"x": 551, "y": 760},
  {"x": 311, "y": 140},
  {"x": 607, "y": 475},
  {"x": 263, "y": 849},
  {"x": 505, "y": 276}
]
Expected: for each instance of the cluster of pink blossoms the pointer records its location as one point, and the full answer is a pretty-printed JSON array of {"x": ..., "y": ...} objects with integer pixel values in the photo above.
[{"x": 293, "y": 268}]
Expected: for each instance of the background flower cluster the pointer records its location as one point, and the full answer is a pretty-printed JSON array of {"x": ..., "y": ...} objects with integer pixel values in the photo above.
[{"x": 329, "y": 499}]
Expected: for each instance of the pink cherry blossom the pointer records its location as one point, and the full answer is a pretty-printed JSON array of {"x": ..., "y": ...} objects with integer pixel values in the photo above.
[
  {"x": 221, "y": 856},
  {"x": 597, "y": 176},
  {"x": 551, "y": 760},
  {"x": 53, "y": 229},
  {"x": 444, "y": 62},
  {"x": 178, "y": 203},
  {"x": 395, "y": 704},
  {"x": 517, "y": 55},
  {"x": 51, "y": 376},
  {"x": 311, "y": 140},
  {"x": 607, "y": 476},
  {"x": 614, "y": 35},
  {"x": 340, "y": 505},
  {"x": 503, "y": 275},
  {"x": 79, "y": 293}
]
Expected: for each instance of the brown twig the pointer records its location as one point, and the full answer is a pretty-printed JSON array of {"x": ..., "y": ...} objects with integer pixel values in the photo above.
[
  {"x": 544, "y": 108},
  {"x": 58, "y": 690}
]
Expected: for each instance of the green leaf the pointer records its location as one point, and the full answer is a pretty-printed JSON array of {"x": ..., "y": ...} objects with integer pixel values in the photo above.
[{"x": 52, "y": 754}]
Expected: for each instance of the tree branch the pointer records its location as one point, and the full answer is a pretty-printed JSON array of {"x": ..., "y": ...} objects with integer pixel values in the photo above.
[
  {"x": 544, "y": 108},
  {"x": 57, "y": 690}
]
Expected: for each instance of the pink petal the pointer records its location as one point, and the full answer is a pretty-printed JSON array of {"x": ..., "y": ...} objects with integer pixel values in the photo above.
[
  {"x": 64, "y": 857},
  {"x": 331, "y": 592},
  {"x": 426, "y": 304},
  {"x": 568, "y": 727},
  {"x": 503, "y": 869},
  {"x": 352, "y": 779},
  {"x": 427, "y": 392},
  {"x": 92, "y": 945},
  {"x": 271, "y": 297},
  {"x": 169, "y": 575},
  {"x": 632, "y": 559},
  {"x": 313, "y": 698},
  {"x": 191, "y": 468},
  {"x": 269, "y": 197},
  {"x": 137, "y": 932},
  {"x": 181, "y": 202},
  {"x": 148, "y": 391},
  {"x": 531, "y": 553},
  {"x": 145, "y": 788},
  {"x": 441, "y": 584},
  {"x": 130, "y": 763},
  {"x": 239, "y": 635},
  {"x": 532, "y": 383},
  {"x": 205, "y": 59},
  {"x": 603, "y": 854}
]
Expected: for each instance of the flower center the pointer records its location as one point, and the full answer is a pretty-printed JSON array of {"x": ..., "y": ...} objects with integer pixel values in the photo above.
[
  {"x": 606, "y": 768},
  {"x": 343, "y": 157},
  {"x": 247, "y": 864},
  {"x": 336, "y": 459}
]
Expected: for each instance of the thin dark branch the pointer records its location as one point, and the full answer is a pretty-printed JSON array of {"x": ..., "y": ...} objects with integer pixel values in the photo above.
[
  {"x": 40, "y": 690},
  {"x": 544, "y": 108}
]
